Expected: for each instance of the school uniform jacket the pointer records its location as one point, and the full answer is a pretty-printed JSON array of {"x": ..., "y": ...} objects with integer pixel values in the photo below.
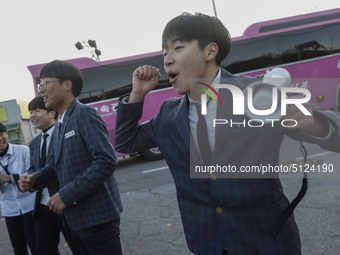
[
  {"x": 84, "y": 161},
  {"x": 35, "y": 149},
  {"x": 218, "y": 213}
]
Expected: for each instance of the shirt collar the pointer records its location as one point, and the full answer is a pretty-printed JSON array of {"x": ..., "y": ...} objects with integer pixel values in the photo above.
[
  {"x": 10, "y": 150},
  {"x": 62, "y": 118},
  {"x": 50, "y": 130},
  {"x": 213, "y": 84},
  {"x": 217, "y": 79}
]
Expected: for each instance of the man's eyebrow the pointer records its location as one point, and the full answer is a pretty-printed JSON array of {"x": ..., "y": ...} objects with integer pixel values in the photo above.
[
  {"x": 176, "y": 40},
  {"x": 172, "y": 41}
]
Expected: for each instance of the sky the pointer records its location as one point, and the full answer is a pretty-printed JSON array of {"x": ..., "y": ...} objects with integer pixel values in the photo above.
[{"x": 40, "y": 31}]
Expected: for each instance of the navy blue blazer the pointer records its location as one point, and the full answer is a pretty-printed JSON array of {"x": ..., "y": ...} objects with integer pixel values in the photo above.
[
  {"x": 84, "y": 161},
  {"x": 218, "y": 213},
  {"x": 52, "y": 186}
]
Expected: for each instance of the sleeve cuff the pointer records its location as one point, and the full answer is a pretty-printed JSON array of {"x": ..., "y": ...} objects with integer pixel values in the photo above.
[{"x": 330, "y": 133}]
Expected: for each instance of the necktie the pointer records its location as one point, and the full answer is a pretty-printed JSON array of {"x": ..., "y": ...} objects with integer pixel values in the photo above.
[
  {"x": 42, "y": 160},
  {"x": 202, "y": 137},
  {"x": 60, "y": 126}
]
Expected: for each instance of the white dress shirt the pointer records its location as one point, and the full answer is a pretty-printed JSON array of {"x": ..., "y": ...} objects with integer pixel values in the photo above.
[
  {"x": 14, "y": 202},
  {"x": 209, "y": 117},
  {"x": 45, "y": 196}
]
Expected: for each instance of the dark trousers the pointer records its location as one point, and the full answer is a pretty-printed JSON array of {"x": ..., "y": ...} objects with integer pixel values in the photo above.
[
  {"x": 21, "y": 232},
  {"x": 103, "y": 239},
  {"x": 48, "y": 226}
]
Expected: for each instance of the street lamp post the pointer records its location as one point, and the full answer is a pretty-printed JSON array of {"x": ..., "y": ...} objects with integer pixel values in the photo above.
[
  {"x": 91, "y": 45},
  {"x": 214, "y": 6}
]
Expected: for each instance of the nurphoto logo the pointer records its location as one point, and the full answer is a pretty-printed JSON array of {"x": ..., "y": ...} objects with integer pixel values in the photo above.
[{"x": 262, "y": 102}]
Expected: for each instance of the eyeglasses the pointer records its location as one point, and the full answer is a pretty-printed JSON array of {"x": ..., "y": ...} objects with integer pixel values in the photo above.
[{"x": 43, "y": 84}]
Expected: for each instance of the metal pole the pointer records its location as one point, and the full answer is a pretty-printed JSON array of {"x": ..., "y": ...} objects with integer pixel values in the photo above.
[
  {"x": 213, "y": 1},
  {"x": 94, "y": 55}
]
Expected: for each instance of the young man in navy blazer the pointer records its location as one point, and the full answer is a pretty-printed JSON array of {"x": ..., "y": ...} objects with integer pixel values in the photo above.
[
  {"x": 48, "y": 224},
  {"x": 230, "y": 216},
  {"x": 84, "y": 161}
]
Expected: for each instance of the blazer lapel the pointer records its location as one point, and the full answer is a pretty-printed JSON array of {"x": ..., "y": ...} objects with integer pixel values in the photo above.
[
  {"x": 51, "y": 143},
  {"x": 58, "y": 141},
  {"x": 60, "y": 133},
  {"x": 37, "y": 152},
  {"x": 182, "y": 123}
]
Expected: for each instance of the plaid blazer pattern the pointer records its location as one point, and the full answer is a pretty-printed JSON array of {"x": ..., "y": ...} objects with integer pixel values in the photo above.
[
  {"x": 247, "y": 207},
  {"x": 34, "y": 146},
  {"x": 84, "y": 160}
]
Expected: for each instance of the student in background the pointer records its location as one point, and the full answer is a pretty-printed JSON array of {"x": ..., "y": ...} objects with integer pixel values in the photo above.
[{"x": 16, "y": 206}]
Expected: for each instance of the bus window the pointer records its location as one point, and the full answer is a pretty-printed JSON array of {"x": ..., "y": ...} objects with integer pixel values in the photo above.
[
  {"x": 251, "y": 54},
  {"x": 92, "y": 87},
  {"x": 334, "y": 31},
  {"x": 299, "y": 45},
  {"x": 114, "y": 80},
  {"x": 91, "y": 97},
  {"x": 301, "y": 22}
]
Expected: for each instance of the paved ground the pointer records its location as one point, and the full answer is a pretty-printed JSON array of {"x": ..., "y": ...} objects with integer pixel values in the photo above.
[{"x": 151, "y": 223}]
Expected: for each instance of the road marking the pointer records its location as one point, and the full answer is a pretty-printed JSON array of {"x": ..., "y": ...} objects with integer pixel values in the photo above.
[{"x": 154, "y": 170}]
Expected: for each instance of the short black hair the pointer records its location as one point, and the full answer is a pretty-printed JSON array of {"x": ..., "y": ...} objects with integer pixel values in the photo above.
[
  {"x": 38, "y": 103},
  {"x": 206, "y": 29},
  {"x": 63, "y": 71},
  {"x": 3, "y": 128}
]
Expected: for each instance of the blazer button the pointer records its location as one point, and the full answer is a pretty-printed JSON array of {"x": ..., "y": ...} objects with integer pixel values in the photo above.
[
  {"x": 74, "y": 203},
  {"x": 218, "y": 209},
  {"x": 213, "y": 177}
]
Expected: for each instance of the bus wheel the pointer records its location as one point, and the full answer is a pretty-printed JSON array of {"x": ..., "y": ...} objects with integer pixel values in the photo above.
[{"x": 152, "y": 154}]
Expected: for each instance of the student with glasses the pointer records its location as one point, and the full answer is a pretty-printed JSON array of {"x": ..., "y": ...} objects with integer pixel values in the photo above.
[
  {"x": 48, "y": 224},
  {"x": 83, "y": 160}
]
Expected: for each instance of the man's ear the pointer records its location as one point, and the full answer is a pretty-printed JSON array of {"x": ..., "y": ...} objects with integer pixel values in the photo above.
[
  {"x": 52, "y": 113},
  {"x": 211, "y": 51},
  {"x": 68, "y": 85}
]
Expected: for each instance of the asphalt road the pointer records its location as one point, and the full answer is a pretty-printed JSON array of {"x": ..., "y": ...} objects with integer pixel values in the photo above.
[{"x": 151, "y": 225}]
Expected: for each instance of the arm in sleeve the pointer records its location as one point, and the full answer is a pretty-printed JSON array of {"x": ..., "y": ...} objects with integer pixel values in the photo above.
[
  {"x": 44, "y": 176},
  {"x": 31, "y": 168},
  {"x": 129, "y": 135},
  {"x": 331, "y": 141},
  {"x": 103, "y": 160}
]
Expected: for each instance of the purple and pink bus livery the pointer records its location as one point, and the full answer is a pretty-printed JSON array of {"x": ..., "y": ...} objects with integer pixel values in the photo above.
[{"x": 308, "y": 46}]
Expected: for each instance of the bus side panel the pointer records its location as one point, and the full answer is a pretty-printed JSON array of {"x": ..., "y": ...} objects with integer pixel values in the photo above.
[{"x": 320, "y": 76}]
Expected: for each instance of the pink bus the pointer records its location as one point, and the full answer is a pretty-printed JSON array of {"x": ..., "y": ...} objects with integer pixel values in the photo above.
[{"x": 306, "y": 45}]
